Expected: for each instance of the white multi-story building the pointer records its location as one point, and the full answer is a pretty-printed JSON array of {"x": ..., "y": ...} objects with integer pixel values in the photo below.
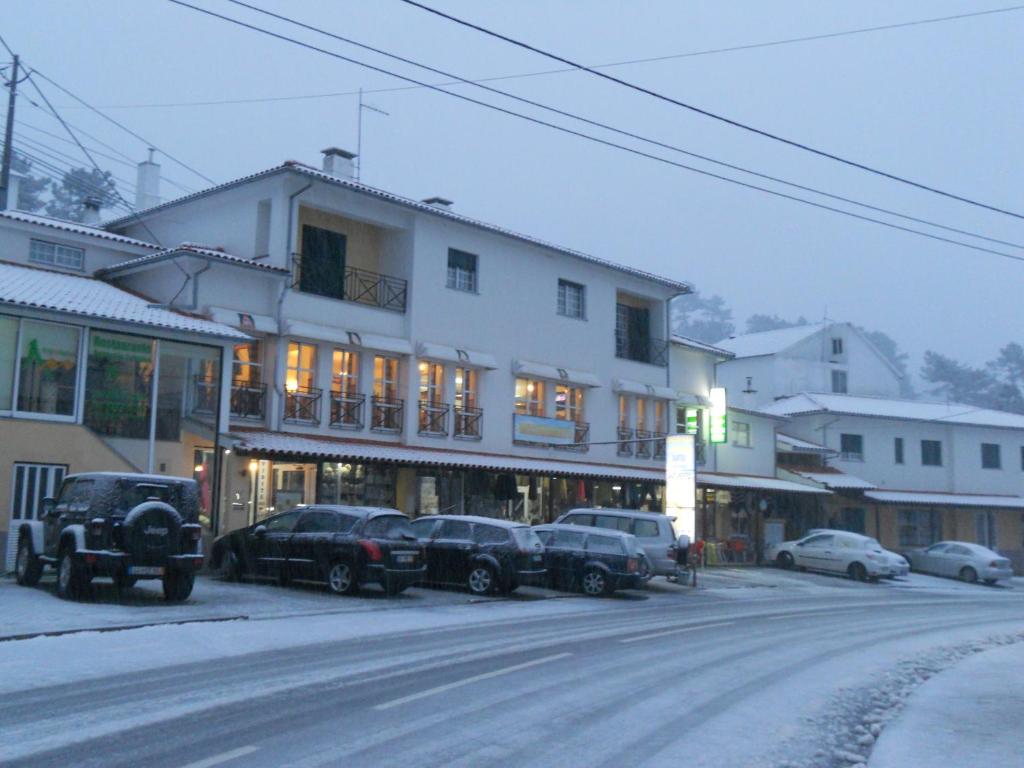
[{"x": 404, "y": 354}]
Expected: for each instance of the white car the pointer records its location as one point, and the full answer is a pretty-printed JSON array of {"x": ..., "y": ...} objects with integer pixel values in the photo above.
[{"x": 859, "y": 557}]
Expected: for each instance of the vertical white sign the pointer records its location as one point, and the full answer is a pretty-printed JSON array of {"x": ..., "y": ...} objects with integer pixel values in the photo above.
[{"x": 681, "y": 483}]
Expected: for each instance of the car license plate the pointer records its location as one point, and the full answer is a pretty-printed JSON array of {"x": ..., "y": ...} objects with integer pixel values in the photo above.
[
  {"x": 405, "y": 558},
  {"x": 145, "y": 570}
]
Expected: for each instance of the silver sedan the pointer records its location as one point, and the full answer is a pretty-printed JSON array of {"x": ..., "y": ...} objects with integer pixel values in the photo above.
[{"x": 961, "y": 560}]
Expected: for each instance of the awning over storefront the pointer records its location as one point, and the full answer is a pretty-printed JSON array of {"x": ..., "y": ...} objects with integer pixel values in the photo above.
[
  {"x": 644, "y": 390},
  {"x": 836, "y": 480},
  {"x": 244, "y": 320},
  {"x": 945, "y": 499},
  {"x": 295, "y": 446},
  {"x": 755, "y": 483},
  {"x": 796, "y": 445},
  {"x": 542, "y": 371},
  {"x": 466, "y": 357},
  {"x": 694, "y": 400},
  {"x": 349, "y": 338}
]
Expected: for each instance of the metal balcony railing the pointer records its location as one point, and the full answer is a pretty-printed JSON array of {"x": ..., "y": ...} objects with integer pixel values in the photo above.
[
  {"x": 468, "y": 423},
  {"x": 434, "y": 418},
  {"x": 659, "y": 445},
  {"x": 248, "y": 401},
  {"x": 323, "y": 278},
  {"x": 386, "y": 414},
  {"x": 302, "y": 406},
  {"x": 625, "y": 438},
  {"x": 644, "y": 444},
  {"x": 580, "y": 440},
  {"x": 641, "y": 349},
  {"x": 347, "y": 410}
]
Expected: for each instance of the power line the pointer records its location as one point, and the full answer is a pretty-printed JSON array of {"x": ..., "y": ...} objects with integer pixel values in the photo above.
[
  {"x": 562, "y": 70},
  {"x": 710, "y": 114},
  {"x": 596, "y": 139},
  {"x": 59, "y": 156},
  {"x": 632, "y": 135},
  {"x": 57, "y": 174}
]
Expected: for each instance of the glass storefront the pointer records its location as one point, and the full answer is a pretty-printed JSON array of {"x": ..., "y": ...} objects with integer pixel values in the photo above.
[{"x": 47, "y": 368}]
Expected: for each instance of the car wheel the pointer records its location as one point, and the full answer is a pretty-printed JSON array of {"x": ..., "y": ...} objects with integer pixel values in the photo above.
[
  {"x": 123, "y": 581},
  {"x": 341, "y": 579},
  {"x": 178, "y": 586},
  {"x": 71, "y": 580},
  {"x": 230, "y": 567},
  {"x": 481, "y": 580},
  {"x": 969, "y": 575},
  {"x": 784, "y": 560},
  {"x": 645, "y": 570},
  {"x": 857, "y": 572},
  {"x": 595, "y": 583},
  {"x": 27, "y": 567}
]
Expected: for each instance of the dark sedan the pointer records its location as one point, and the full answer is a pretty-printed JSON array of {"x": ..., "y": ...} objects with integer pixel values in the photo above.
[
  {"x": 483, "y": 554},
  {"x": 344, "y": 547},
  {"x": 595, "y": 561}
]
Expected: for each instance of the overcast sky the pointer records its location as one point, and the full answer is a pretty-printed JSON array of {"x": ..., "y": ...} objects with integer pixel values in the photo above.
[{"x": 939, "y": 103}]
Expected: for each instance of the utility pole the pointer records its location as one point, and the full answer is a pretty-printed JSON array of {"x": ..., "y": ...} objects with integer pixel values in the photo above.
[{"x": 5, "y": 169}]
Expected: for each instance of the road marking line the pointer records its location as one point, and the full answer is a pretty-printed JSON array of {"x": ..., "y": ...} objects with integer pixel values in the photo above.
[
  {"x": 781, "y": 616},
  {"x": 467, "y": 681},
  {"x": 653, "y": 635},
  {"x": 223, "y": 757}
]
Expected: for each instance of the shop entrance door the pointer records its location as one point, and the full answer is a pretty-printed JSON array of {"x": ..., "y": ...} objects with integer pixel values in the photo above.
[{"x": 30, "y": 484}]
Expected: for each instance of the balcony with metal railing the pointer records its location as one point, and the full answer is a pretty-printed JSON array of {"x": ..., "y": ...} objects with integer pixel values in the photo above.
[
  {"x": 386, "y": 414},
  {"x": 362, "y": 286},
  {"x": 302, "y": 405},
  {"x": 433, "y": 418},
  {"x": 580, "y": 440},
  {"x": 248, "y": 401},
  {"x": 644, "y": 443},
  {"x": 659, "y": 445},
  {"x": 625, "y": 438},
  {"x": 468, "y": 423},
  {"x": 642, "y": 349},
  {"x": 347, "y": 410}
]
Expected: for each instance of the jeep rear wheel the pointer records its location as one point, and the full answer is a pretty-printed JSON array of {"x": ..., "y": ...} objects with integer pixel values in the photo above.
[
  {"x": 27, "y": 567},
  {"x": 178, "y": 585},
  {"x": 72, "y": 579}
]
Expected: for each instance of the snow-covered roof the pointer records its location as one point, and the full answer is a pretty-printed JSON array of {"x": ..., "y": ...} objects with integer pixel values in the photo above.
[
  {"x": 891, "y": 408},
  {"x": 835, "y": 480},
  {"x": 755, "y": 482},
  {"x": 945, "y": 499},
  {"x": 279, "y": 443},
  {"x": 796, "y": 445},
  {"x": 74, "y": 228},
  {"x": 767, "y": 342},
  {"x": 37, "y": 288},
  {"x": 188, "y": 249},
  {"x": 318, "y": 175},
  {"x": 686, "y": 341}
]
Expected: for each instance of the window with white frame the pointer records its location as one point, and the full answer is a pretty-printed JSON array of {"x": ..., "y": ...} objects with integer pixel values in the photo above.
[
  {"x": 529, "y": 397},
  {"x": 301, "y": 372},
  {"x": 659, "y": 416},
  {"x": 345, "y": 373},
  {"x": 568, "y": 403},
  {"x": 462, "y": 270},
  {"x": 55, "y": 255},
  {"x": 47, "y": 368},
  {"x": 571, "y": 299},
  {"x": 741, "y": 434},
  {"x": 851, "y": 447},
  {"x": 247, "y": 364},
  {"x": 839, "y": 382},
  {"x": 985, "y": 528}
]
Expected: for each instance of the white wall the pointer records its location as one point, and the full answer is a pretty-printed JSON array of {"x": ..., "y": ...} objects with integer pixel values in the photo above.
[
  {"x": 16, "y": 237},
  {"x": 759, "y": 458}
]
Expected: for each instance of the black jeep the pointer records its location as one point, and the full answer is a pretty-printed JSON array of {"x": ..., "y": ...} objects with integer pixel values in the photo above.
[{"x": 121, "y": 525}]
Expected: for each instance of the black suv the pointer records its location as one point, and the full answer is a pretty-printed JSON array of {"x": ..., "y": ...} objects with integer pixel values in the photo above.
[
  {"x": 596, "y": 561},
  {"x": 126, "y": 526},
  {"x": 484, "y": 554},
  {"x": 340, "y": 545}
]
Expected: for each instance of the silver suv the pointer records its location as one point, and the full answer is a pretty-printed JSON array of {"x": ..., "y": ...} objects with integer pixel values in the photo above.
[{"x": 653, "y": 531}]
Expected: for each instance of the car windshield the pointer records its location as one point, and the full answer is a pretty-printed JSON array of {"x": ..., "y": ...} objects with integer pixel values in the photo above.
[
  {"x": 390, "y": 527},
  {"x": 872, "y": 544},
  {"x": 526, "y": 538}
]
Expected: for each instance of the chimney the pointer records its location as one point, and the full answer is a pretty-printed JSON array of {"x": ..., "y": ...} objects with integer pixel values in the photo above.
[
  {"x": 147, "y": 186},
  {"x": 91, "y": 211},
  {"x": 340, "y": 163},
  {"x": 13, "y": 190},
  {"x": 439, "y": 202}
]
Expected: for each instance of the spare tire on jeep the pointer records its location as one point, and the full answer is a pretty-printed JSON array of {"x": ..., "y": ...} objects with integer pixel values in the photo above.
[{"x": 151, "y": 533}]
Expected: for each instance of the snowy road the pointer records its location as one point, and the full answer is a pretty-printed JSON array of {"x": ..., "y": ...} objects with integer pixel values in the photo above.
[{"x": 663, "y": 681}]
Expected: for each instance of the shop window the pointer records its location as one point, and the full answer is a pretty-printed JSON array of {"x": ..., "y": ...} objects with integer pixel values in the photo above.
[
  {"x": 897, "y": 447},
  {"x": 462, "y": 270},
  {"x": 851, "y": 447},
  {"x": 357, "y": 484},
  {"x": 568, "y": 403},
  {"x": 47, "y": 368},
  {"x": 529, "y": 397},
  {"x": 919, "y": 527},
  {"x": 8, "y": 353},
  {"x": 54, "y": 255},
  {"x": 931, "y": 453},
  {"x": 188, "y": 388},
  {"x": 571, "y": 301},
  {"x": 741, "y": 434},
  {"x": 990, "y": 458}
]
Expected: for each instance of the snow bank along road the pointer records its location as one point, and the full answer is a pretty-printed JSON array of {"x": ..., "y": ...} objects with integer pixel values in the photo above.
[{"x": 665, "y": 681}]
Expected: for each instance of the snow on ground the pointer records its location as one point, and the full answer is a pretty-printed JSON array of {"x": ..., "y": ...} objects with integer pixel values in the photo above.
[{"x": 967, "y": 715}]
